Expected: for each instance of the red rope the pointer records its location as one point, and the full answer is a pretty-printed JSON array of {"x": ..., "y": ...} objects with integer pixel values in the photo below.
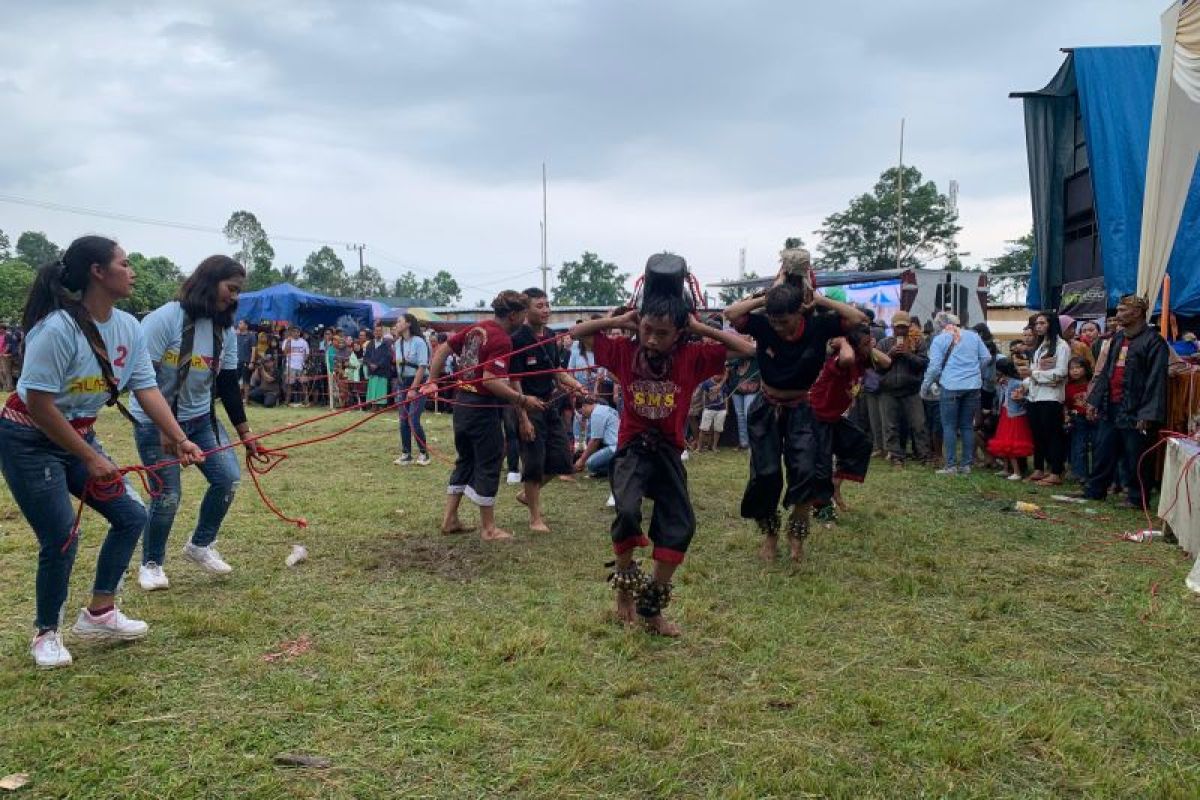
[{"x": 266, "y": 459}]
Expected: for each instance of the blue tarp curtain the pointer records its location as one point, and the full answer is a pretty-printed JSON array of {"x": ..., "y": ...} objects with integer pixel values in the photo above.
[{"x": 285, "y": 303}]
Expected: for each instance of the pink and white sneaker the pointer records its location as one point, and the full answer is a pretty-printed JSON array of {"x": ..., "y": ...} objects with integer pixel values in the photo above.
[
  {"x": 48, "y": 651},
  {"x": 110, "y": 625}
]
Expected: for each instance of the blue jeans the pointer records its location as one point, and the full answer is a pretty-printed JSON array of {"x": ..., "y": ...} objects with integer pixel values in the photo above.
[
  {"x": 959, "y": 407},
  {"x": 600, "y": 461},
  {"x": 1083, "y": 444},
  {"x": 741, "y": 410},
  {"x": 42, "y": 478},
  {"x": 220, "y": 469},
  {"x": 410, "y": 420}
]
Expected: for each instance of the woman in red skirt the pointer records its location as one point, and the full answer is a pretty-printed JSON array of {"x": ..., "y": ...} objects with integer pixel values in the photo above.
[{"x": 1013, "y": 441}]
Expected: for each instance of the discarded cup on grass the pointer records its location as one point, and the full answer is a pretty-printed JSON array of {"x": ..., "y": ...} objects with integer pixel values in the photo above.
[
  {"x": 297, "y": 555},
  {"x": 1146, "y": 535},
  {"x": 1027, "y": 508}
]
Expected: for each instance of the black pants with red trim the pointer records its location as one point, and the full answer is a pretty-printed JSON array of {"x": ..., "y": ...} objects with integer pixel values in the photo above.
[
  {"x": 850, "y": 445},
  {"x": 782, "y": 443},
  {"x": 479, "y": 443},
  {"x": 549, "y": 453},
  {"x": 649, "y": 468}
]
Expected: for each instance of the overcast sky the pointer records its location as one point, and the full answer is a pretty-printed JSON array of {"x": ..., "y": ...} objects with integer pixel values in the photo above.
[{"x": 420, "y": 128}]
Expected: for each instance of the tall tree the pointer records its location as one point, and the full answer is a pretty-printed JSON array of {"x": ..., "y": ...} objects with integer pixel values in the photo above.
[
  {"x": 16, "y": 276},
  {"x": 590, "y": 282},
  {"x": 325, "y": 273},
  {"x": 1008, "y": 274},
  {"x": 407, "y": 285},
  {"x": 244, "y": 230},
  {"x": 441, "y": 289},
  {"x": 289, "y": 274},
  {"x": 5, "y": 247},
  {"x": 158, "y": 282},
  {"x": 35, "y": 249},
  {"x": 367, "y": 282},
  {"x": 864, "y": 235},
  {"x": 732, "y": 294}
]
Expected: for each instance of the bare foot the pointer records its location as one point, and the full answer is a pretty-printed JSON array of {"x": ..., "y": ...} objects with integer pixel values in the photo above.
[
  {"x": 456, "y": 526},
  {"x": 770, "y": 548},
  {"x": 626, "y": 608},
  {"x": 662, "y": 626},
  {"x": 521, "y": 499},
  {"x": 495, "y": 535},
  {"x": 796, "y": 545},
  {"x": 539, "y": 526},
  {"x": 841, "y": 504}
]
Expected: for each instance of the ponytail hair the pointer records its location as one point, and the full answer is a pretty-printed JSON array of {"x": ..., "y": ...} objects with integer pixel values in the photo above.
[{"x": 59, "y": 286}]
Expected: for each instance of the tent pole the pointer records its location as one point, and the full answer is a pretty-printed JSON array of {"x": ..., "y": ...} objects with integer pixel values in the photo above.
[{"x": 1166, "y": 307}]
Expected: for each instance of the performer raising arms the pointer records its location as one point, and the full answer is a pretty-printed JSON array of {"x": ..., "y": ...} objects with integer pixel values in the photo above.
[
  {"x": 482, "y": 351},
  {"x": 79, "y": 354},
  {"x": 193, "y": 347},
  {"x": 791, "y": 338},
  {"x": 545, "y": 451},
  {"x": 658, "y": 373}
]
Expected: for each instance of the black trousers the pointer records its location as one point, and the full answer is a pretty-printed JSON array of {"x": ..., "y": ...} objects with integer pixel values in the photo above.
[
  {"x": 649, "y": 468},
  {"x": 783, "y": 444},
  {"x": 480, "y": 446},
  {"x": 1118, "y": 456},
  {"x": 549, "y": 453},
  {"x": 1049, "y": 436},
  {"x": 850, "y": 445}
]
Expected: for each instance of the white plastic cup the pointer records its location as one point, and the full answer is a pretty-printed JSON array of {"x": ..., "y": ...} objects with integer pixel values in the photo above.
[{"x": 297, "y": 555}]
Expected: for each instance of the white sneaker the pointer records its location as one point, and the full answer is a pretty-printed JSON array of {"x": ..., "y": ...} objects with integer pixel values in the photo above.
[
  {"x": 423, "y": 460},
  {"x": 48, "y": 651},
  {"x": 947, "y": 471},
  {"x": 111, "y": 625},
  {"x": 1016, "y": 476},
  {"x": 207, "y": 558},
  {"x": 514, "y": 477},
  {"x": 403, "y": 461},
  {"x": 612, "y": 502},
  {"x": 964, "y": 470},
  {"x": 152, "y": 577},
  {"x": 684, "y": 455}
]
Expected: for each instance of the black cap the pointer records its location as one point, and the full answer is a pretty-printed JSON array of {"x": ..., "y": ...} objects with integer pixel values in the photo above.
[{"x": 667, "y": 263}]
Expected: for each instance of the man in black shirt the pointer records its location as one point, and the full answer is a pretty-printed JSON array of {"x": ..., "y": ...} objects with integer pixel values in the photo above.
[
  {"x": 545, "y": 450},
  {"x": 791, "y": 339}
]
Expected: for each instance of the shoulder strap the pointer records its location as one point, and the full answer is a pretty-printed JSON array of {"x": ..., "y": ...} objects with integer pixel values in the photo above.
[
  {"x": 92, "y": 334},
  {"x": 187, "y": 343}
]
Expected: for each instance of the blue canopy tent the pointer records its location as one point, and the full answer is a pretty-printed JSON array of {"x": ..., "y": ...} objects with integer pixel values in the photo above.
[
  {"x": 1088, "y": 134},
  {"x": 285, "y": 303}
]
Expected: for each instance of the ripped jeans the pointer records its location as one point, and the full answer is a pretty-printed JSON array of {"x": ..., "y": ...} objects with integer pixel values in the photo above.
[
  {"x": 220, "y": 469},
  {"x": 44, "y": 479}
]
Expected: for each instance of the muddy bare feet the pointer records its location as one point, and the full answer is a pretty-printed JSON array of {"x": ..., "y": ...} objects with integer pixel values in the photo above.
[
  {"x": 455, "y": 526},
  {"x": 770, "y": 548},
  {"x": 539, "y": 526},
  {"x": 796, "y": 545},
  {"x": 494, "y": 535},
  {"x": 626, "y": 608},
  {"x": 661, "y": 626}
]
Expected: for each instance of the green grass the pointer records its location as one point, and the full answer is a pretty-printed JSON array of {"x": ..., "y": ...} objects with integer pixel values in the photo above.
[{"x": 934, "y": 644}]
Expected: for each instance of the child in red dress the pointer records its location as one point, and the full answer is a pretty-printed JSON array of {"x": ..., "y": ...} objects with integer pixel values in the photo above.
[{"x": 1013, "y": 441}]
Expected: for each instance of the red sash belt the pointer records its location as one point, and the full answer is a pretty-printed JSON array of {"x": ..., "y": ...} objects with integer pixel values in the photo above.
[{"x": 15, "y": 411}]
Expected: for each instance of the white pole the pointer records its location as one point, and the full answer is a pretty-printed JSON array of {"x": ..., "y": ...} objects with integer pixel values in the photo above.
[{"x": 545, "y": 265}]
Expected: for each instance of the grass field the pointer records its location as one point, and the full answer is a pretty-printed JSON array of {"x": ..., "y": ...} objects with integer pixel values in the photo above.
[{"x": 934, "y": 644}]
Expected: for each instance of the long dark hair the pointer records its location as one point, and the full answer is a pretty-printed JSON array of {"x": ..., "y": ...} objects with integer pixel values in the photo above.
[
  {"x": 1053, "y": 331},
  {"x": 61, "y": 285},
  {"x": 414, "y": 326},
  {"x": 199, "y": 293},
  {"x": 985, "y": 333}
]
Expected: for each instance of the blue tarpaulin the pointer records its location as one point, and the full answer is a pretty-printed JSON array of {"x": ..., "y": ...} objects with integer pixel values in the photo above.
[
  {"x": 285, "y": 303},
  {"x": 1116, "y": 100}
]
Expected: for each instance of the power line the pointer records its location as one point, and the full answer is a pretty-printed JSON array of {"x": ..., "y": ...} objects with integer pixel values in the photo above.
[{"x": 162, "y": 223}]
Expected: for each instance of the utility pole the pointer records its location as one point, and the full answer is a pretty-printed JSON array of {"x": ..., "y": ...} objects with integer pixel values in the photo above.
[
  {"x": 545, "y": 262},
  {"x": 900, "y": 201},
  {"x": 742, "y": 264},
  {"x": 360, "y": 248}
]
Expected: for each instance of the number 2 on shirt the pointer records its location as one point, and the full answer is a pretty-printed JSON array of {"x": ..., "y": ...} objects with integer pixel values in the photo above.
[{"x": 122, "y": 355}]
